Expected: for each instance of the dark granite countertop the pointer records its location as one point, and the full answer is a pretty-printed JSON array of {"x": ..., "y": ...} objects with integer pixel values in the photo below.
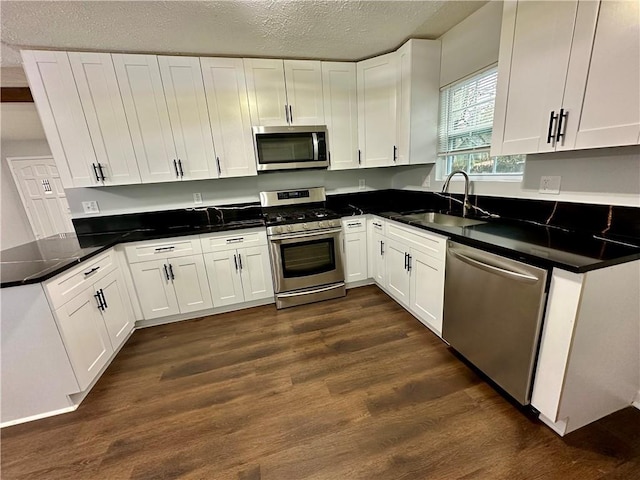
[{"x": 574, "y": 237}]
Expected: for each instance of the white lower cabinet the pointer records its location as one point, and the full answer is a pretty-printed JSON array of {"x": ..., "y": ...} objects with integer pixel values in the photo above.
[
  {"x": 408, "y": 263},
  {"x": 355, "y": 249},
  {"x": 239, "y": 275},
  {"x": 168, "y": 286},
  {"x": 96, "y": 319}
]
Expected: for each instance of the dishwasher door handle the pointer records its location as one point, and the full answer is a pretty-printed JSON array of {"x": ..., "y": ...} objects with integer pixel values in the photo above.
[{"x": 521, "y": 277}]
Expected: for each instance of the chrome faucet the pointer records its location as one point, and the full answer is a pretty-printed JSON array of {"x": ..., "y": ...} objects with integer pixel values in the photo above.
[{"x": 445, "y": 189}]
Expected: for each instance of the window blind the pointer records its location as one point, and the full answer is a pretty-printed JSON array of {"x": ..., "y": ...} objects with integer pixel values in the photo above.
[{"x": 466, "y": 113}]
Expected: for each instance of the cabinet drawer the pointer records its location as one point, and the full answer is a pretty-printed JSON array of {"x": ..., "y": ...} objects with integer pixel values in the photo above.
[
  {"x": 69, "y": 284},
  {"x": 163, "y": 248},
  {"x": 354, "y": 224},
  {"x": 428, "y": 243},
  {"x": 217, "y": 242}
]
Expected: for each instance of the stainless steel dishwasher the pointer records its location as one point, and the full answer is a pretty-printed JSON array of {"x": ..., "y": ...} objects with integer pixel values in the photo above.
[{"x": 493, "y": 308}]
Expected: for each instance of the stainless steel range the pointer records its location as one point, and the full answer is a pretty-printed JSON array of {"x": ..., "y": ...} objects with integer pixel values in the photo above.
[{"x": 304, "y": 239}]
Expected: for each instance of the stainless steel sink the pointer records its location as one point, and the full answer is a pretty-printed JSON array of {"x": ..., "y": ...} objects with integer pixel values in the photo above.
[{"x": 442, "y": 219}]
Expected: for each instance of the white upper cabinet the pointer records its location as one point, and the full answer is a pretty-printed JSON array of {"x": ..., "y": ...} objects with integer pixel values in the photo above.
[
  {"x": 304, "y": 92},
  {"x": 226, "y": 92},
  {"x": 341, "y": 113},
  {"x": 146, "y": 109},
  {"x": 603, "y": 81},
  {"x": 568, "y": 76},
  {"x": 377, "y": 111},
  {"x": 58, "y": 103},
  {"x": 99, "y": 93},
  {"x": 417, "y": 97},
  {"x": 285, "y": 92},
  {"x": 187, "y": 105}
]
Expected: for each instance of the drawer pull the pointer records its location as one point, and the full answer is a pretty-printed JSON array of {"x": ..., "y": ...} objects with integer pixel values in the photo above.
[
  {"x": 355, "y": 224},
  {"x": 163, "y": 249},
  {"x": 235, "y": 240},
  {"x": 93, "y": 270}
]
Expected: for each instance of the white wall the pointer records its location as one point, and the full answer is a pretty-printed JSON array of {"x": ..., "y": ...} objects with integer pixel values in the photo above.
[
  {"x": 602, "y": 176},
  {"x": 166, "y": 196},
  {"x": 21, "y": 135}
]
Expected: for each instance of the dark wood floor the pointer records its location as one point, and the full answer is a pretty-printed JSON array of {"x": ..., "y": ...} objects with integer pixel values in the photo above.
[{"x": 354, "y": 388}]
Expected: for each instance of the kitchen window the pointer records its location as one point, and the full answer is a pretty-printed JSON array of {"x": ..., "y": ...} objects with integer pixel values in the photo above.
[{"x": 465, "y": 127}]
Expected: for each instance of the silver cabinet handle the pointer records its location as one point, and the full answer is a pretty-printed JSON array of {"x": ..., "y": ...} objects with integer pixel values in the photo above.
[
  {"x": 493, "y": 269},
  {"x": 354, "y": 224},
  {"x": 309, "y": 292}
]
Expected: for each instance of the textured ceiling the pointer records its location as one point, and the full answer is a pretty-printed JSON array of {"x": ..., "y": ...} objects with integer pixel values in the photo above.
[{"x": 327, "y": 29}]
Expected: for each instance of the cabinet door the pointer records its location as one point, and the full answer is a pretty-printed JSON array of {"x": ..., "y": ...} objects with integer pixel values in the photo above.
[
  {"x": 226, "y": 91},
  {"x": 58, "y": 103},
  {"x": 266, "y": 90},
  {"x": 224, "y": 277},
  {"x": 117, "y": 314},
  {"x": 155, "y": 291},
  {"x": 377, "y": 249},
  {"x": 189, "y": 278},
  {"x": 304, "y": 92},
  {"x": 535, "y": 46},
  {"x": 103, "y": 108},
  {"x": 355, "y": 257},
  {"x": 146, "y": 110},
  {"x": 602, "y": 95},
  {"x": 85, "y": 336},
  {"x": 255, "y": 271},
  {"x": 187, "y": 105},
  {"x": 341, "y": 113},
  {"x": 398, "y": 278},
  {"x": 427, "y": 290},
  {"x": 377, "y": 110}
]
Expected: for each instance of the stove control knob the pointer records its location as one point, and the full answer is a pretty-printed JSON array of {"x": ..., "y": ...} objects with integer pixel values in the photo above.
[
  {"x": 322, "y": 224},
  {"x": 290, "y": 228},
  {"x": 305, "y": 226},
  {"x": 278, "y": 229}
]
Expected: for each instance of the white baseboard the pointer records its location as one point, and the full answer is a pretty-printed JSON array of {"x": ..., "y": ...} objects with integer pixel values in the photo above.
[
  {"x": 359, "y": 283},
  {"x": 39, "y": 416}
]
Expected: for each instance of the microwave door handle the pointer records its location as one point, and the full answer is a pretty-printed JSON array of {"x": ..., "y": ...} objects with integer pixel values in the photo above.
[{"x": 314, "y": 138}]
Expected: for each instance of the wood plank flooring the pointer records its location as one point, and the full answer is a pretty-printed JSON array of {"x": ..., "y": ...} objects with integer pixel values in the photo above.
[{"x": 353, "y": 388}]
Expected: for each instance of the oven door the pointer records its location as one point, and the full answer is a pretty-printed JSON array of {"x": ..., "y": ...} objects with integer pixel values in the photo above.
[{"x": 303, "y": 260}]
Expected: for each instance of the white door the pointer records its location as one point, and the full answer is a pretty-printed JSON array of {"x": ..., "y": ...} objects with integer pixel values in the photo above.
[
  {"x": 146, "y": 110},
  {"x": 355, "y": 256},
  {"x": 427, "y": 290},
  {"x": 155, "y": 290},
  {"x": 255, "y": 271},
  {"x": 304, "y": 92},
  {"x": 226, "y": 92},
  {"x": 42, "y": 195},
  {"x": 117, "y": 313},
  {"x": 603, "y": 83},
  {"x": 535, "y": 46},
  {"x": 187, "y": 104},
  {"x": 84, "y": 335},
  {"x": 341, "y": 113},
  {"x": 266, "y": 90},
  {"x": 378, "y": 247},
  {"x": 377, "y": 110},
  {"x": 103, "y": 108},
  {"x": 398, "y": 278},
  {"x": 58, "y": 103},
  {"x": 189, "y": 278},
  {"x": 225, "y": 282}
]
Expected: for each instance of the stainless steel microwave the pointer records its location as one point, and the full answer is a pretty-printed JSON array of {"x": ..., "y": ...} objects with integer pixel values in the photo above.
[{"x": 289, "y": 148}]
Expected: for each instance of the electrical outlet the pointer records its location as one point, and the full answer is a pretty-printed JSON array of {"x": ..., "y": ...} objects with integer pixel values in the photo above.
[
  {"x": 90, "y": 207},
  {"x": 426, "y": 181},
  {"x": 361, "y": 184},
  {"x": 197, "y": 198},
  {"x": 550, "y": 184}
]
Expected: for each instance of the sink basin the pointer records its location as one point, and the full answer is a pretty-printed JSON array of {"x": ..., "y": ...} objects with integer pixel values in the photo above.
[{"x": 442, "y": 219}]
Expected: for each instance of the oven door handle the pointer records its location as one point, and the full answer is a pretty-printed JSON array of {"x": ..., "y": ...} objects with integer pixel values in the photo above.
[
  {"x": 288, "y": 236},
  {"x": 309, "y": 292}
]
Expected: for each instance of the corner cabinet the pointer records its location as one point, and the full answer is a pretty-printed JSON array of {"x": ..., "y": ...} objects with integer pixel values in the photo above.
[
  {"x": 238, "y": 266},
  {"x": 354, "y": 246},
  {"x": 557, "y": 63},
  {"x": 284, "y": 92}
]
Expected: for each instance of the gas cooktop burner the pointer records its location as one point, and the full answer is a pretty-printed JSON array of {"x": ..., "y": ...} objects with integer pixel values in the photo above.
[{"x": 281, "y": 216}]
